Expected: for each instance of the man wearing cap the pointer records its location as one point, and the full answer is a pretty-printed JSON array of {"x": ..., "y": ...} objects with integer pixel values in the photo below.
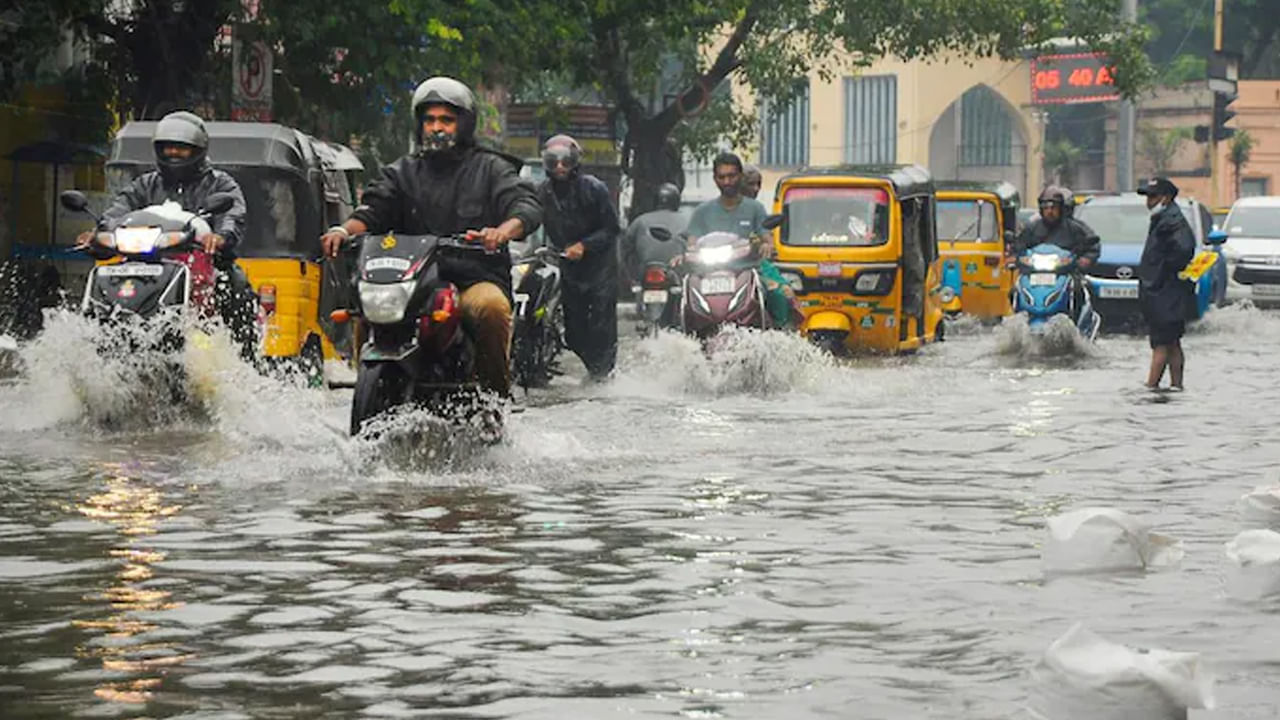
[{"x": 1166, "y": 299}]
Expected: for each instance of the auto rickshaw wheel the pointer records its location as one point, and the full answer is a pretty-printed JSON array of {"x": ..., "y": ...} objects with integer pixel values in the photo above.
[{"x": 830, "y": 341}]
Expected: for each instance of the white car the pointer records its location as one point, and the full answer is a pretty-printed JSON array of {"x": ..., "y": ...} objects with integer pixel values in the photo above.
[{"x": 1253, "y": 251}]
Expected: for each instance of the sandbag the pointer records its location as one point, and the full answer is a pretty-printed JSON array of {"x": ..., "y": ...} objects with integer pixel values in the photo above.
[
  {"x": 1093, "y": 540},
  {"x": 1253, "y": 570}
]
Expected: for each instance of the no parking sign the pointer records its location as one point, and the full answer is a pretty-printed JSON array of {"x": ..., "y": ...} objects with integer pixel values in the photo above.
[{"x": 250, "y": 81}]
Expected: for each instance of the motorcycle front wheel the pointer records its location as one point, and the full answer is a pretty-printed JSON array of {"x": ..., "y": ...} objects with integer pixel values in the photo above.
[{"x": 379, "y": 387}]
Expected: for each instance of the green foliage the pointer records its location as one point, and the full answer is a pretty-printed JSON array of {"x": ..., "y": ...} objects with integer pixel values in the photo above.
[
  {"x": 1241, "y": 148},
  {"x": 1159, "y": 147},
  {"x": 1184, "y": 29},
  {"x": 1061, "y": 158}
]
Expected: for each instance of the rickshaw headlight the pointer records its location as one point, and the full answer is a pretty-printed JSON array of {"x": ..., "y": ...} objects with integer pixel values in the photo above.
[
  {"x": 795, "y": 280},
  {"x": 947, "y": 294},
  {"x": 873, "y": 282},
  {"x": 385, "y": 304}
]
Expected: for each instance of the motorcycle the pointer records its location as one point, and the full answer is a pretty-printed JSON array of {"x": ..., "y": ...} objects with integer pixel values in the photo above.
[
  {"x": 722, "y": 286},
  {"x": 537, "y": 337},
  {"x": 658, "y": 294},
  {"x": 1045, "y": 290},
  {"x": 162, "y": 279},
  {"x": 416, "y": 350}
]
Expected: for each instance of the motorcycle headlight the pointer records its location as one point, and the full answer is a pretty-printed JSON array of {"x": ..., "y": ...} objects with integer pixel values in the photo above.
[
  {"x": 136, "y": 240},
  {"x": 715, "y": 255},
  {"x": 518, "y": 271},
  {"x": 1045, "y": 262},
  {"x": 385, "y": 304}
]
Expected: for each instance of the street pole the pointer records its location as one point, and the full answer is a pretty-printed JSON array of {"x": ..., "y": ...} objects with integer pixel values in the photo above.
[
  {"x": 1126, "y": 122},
  {"x": 1213, "y": 135}
]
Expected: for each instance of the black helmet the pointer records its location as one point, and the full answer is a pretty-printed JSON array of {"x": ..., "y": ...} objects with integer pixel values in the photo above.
[
  {"x": 185, "y": 129},
  {"x": 668, "y": 197},
  {"x": 442, "y": 90},
  {"x": 561, "y": 147}
]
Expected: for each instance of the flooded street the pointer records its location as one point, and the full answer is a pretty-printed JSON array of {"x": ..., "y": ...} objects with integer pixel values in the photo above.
[{"x": 764, "y": 534}]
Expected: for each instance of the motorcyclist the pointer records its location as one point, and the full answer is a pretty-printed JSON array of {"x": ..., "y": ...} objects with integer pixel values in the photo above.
[
  {"x": 640, "y": 248},
  {"x": 183, "y": 175},
  {"x": 448, "y": 185},
  {"x": 1057, "y": 225},
  {"x": 582, "y": 223}
]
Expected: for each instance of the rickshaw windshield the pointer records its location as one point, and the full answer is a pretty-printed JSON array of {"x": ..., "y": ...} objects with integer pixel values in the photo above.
[
  {"x": 973, "y": 220},
  {"x": 836, "y": 217}
]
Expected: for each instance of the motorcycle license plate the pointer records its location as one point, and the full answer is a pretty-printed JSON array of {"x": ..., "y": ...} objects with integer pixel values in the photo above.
[
  {"x": 829, "y": 269},
  {"x": 1043, "y": 279},
  {"x": 654, "y": 297},
  {"x": 1266, "y": 290},
  {"x": 717, "y": 285},
  {"x": 131, "y": 270},
  {"x": 1118, "y": 293}
]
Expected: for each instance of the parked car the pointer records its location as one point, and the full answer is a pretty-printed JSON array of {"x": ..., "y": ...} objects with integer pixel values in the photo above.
[
  {"x": 1122, "y": 221},
  {"x": 1253, "y": 250}
]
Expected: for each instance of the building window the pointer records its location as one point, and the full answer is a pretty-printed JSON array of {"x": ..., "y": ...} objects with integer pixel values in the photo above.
[
  {"x": 785, "y": 131},
  {"x": 871, "y": 119},
  {"x": 1253, "y": 187},
  {"x": 986, "y": 130}
]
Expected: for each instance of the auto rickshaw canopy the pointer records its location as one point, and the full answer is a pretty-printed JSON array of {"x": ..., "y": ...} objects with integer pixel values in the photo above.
[
  {"x": 906, "y": 180},
  {"x": 1007, "y": 195}
]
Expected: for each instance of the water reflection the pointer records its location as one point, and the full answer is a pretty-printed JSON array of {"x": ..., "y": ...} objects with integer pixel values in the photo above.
[{"x": 133, "y": 508}]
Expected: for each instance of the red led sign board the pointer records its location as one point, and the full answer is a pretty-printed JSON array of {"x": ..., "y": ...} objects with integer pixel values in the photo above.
[{"x": 1075, "y": 78}]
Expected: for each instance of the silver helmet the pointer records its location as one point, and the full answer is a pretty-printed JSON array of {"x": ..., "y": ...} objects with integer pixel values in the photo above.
[
  {"x": 442, "y": 90},
  {"x": 180, "y": 128}
]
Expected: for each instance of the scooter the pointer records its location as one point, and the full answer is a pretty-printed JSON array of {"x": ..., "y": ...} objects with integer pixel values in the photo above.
[
  {"x": 416, "y": 351},
  {"x": 537, "y": 337},
  {"x": 659, "y": 292},
  {"x": 1044, "y": 291},
  {"x": 722, "y": 286}
]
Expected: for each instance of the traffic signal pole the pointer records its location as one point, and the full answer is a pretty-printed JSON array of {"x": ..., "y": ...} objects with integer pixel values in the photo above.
[
  {"x": 1214, "y": 200},
  {"x": 1125, "y": 125}
]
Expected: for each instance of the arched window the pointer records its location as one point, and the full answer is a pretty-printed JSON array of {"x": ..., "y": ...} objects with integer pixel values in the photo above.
[{"x": 986, "y": 130}]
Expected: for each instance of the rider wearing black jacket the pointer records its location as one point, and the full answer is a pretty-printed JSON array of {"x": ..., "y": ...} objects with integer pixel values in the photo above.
[
  {"x": 1056, "y": 226},
  {"x": 449, "y": 186},
  {"x": 582, "y": 223},
  {"x": 183, "y": 175}
]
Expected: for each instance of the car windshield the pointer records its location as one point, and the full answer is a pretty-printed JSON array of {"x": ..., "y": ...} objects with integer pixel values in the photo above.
[
  {"x": 1127, "y": 223},
  {"x": 835, "y": 217},
  {"x": 967, "y": 220},
  {"x": 1263, "y": 222}
]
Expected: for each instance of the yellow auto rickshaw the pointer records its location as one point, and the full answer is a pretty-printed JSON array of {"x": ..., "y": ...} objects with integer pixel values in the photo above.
[
  {"x": 859, "y": 247},
  {"x": 294, "y": 186},
  {"x": 976, "y": 221}
]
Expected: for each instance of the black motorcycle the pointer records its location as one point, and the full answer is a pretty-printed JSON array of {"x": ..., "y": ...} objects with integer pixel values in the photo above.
[
  {"x": 538, "y": 329},
  {"x": 416, "y": 351},
  {"x": 660, "y": 292}
]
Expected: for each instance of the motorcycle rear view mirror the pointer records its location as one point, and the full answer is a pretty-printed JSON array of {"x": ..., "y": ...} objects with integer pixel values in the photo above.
[
  {"x": 773, "y": 221},
  {"x": 660, "y": 233},
  {"x": 219, "y": 203},
  {"x": 74, "y": 200}
]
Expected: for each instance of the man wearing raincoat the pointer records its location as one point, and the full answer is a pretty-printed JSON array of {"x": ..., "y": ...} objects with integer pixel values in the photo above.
[{"x": 1166, "y": 298}]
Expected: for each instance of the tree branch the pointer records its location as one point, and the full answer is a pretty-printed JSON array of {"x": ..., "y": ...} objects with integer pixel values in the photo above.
[
  {"x": 727, "y": 61},
  {"x": 613, "y": 57}
]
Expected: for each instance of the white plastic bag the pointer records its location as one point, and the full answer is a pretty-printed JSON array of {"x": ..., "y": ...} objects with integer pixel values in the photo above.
[
  {"x": 1254, "y": 565},
  {"x": 1084, "y": 677},
  {"x": 1104, "y": 540},
  {"x": 1261, "y": 508}
]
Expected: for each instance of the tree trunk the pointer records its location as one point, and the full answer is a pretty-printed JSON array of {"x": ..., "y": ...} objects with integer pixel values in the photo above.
[{"x": 653, "y": 159}]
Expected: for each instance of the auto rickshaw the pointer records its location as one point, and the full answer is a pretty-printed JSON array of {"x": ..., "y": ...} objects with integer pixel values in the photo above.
[
  {"x": 294, "y": 187},
  {"x": 976, "y": 220},
  {"x": 858, "y": 245}
]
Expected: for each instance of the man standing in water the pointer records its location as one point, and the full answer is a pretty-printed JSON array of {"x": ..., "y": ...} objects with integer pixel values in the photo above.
[
  {"x": 1166, "y": 298},
  {"x": 581, "y": 222}
]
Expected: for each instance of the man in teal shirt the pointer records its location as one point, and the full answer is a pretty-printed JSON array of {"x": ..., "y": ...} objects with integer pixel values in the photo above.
[{"x": 744, "y": 216}]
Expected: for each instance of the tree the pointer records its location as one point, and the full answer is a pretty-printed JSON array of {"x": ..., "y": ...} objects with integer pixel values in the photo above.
[
  {"x": 1182, "y": 37},
  {"x": 1061, "y": 158},
  {"x": 1240, "y": 150},
  {"x": 620, "y": 48},
  {"x": 1159, "y": 147}
]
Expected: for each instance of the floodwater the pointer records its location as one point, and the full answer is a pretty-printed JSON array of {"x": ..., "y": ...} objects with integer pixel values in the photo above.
[{"x": 762, "y": 534}]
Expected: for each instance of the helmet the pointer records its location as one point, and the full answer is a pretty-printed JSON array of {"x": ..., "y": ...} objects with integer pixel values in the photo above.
[
  {"x": 561, "y": 147},
  {"x": 180, "y": 128},
  {"x": 668, "y": 197},
  {"x": 442, "y": 90},
  {"x": 1055, "y": 194}
]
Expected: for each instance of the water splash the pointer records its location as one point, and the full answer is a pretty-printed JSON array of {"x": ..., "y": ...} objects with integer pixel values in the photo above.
[
  {"x": 738, "y": 361},
  {"x": 1242, "y": 319},
  {"x": 1060, "y": 340}
]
